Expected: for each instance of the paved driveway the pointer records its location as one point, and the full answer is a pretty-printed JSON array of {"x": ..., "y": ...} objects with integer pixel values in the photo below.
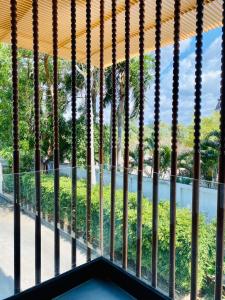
[{"x": 27, "y": 251}]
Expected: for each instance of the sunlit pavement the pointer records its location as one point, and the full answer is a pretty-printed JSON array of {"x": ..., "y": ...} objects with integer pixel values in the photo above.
[{"x": 27, "y": 251}]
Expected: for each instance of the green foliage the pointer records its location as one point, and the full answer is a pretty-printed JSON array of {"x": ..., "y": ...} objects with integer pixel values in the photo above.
[
  {"x": 134, "y": 80},
  {"x": 26, "y": 110},
  {"x": 208, "y": 124},
  {"x": 185, "y": 164},
  {"x": 165, "y": 153},
  {"x": 183, "y": 227},
  {"x": 81, "y": 142},
  {"x": 209, "y": 155},
  {"x": 26, "y": 106},
  {"x": 209, "y": 158}
]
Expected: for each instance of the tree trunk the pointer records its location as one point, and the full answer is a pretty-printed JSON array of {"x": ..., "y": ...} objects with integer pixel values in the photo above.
[
  {"x": 93, "y": 107},
  {"x": 110, "y": 158},
  {"x": 48, "y": 77},
  {"x": 50, "y": 95},
  {"x": 120, "y": 121},
  {"x": 93, "y": 174},
  {"x": 94, "y": 92},
  {"x": 93, "y": 100}
]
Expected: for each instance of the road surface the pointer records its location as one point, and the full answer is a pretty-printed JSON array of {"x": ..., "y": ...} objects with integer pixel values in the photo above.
[{"x": 27, "y": 251}]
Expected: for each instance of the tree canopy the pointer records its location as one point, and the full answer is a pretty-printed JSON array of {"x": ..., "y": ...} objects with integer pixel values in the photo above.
[{"x": 209, "y": 125}]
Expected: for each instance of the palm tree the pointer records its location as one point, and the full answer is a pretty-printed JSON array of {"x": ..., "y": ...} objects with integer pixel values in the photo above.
[
  {"x": 209, "y": 158},
  {"x": 134, "y": 158},
  {"x": 81, "y": 85},
  {"x": 209, "y": 155},
  {"x": 185, "y": 164},
  {"x": 134, "y": 95},
  {"x": 165, "y": 154}
]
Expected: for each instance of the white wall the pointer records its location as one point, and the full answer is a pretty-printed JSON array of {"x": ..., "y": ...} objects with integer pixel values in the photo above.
[
  {"x": 208, "y": 197},
  {"x": 1, "y": 178}
]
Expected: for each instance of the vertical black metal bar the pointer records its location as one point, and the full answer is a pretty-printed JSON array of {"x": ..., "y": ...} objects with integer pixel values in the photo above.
[
  {"x": 126, "y": 133},
  {"x": 101, "y": 122},
  {"x": 17, "y": 278},
  {"x": 37, "y": 146},
  {"x": 221, "y": 178},
  {"x": 196, "y": 158},
  {"x": 113, "y": 131},
  {"x": 141, "y": 137},
  {"x": 56, "y": 134},
  {"x": 88, "y": 57},
  {"x": 175, "y": 97},
  {"x": 74, "y": 133},
  {"x": 156, "y": 144}
]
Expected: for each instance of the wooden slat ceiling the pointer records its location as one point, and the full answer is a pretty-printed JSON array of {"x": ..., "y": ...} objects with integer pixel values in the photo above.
[{"x": 212, "y": 19}]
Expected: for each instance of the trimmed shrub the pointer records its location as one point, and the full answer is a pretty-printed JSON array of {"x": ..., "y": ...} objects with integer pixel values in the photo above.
[{"x": 183, "y": 228}]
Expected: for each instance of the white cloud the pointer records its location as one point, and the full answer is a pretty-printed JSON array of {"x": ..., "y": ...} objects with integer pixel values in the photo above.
[
  {"x": 210, "y": 81},
  {"x": 185, "y": 45}
]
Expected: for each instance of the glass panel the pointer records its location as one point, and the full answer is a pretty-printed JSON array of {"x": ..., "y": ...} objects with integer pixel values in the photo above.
[
  {"x": 206, "y": 242},
  {"x": 27, "y": 217},
  {"x": 207, "y": 228},
  {"x": 183, "y": 236},
  {"x": 27, "y": 198},
  {"x": 106, "y": 210},
  {"x": 207, "y": 238},
  {"x": 132, "y": 221},
  {"x": 207, "y": 215},
  {"x": 6, "y": 236}
]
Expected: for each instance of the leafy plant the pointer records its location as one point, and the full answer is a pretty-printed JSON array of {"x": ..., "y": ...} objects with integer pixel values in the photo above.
[{"x": 206, "y": 262}]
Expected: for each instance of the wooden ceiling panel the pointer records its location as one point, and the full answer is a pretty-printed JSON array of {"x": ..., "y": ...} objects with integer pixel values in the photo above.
[{"x": 212, "y": 19}]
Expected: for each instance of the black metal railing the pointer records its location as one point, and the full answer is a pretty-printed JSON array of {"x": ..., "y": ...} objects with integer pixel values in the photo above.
[
  {"x": 113, "y": 124},
  {"x": 37, "y": 146},
  {"x": 156, "y": 168},
  {"x": 175, "y": 102},
  {"x": 56, "y": 134},
  {"x": 16, "y": 167},
  {"x": 156, "y": 143},
  {"x": 74, "y": 132},
  {"x": 126, "y": 136}
]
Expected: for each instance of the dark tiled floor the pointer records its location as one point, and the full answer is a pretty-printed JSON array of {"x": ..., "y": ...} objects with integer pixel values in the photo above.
[{"x": 96, "y": 289}]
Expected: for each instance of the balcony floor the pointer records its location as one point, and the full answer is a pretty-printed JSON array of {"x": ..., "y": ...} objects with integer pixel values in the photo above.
[
  {"x": 96, "y": 289},
  {"x": 98, "y": 279}
]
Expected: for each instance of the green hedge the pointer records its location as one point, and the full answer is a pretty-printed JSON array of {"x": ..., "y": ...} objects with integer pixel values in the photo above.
[{"x": 183, "y": 228}]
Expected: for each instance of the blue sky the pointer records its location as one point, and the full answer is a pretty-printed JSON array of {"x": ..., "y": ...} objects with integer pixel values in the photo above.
[
  {"x": 210, "y": 80},
  {"x": 210, "y": 83}
]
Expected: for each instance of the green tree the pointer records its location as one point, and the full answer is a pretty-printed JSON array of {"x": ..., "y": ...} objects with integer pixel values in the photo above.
[
  {"x": 209, "y": 148},
  {"x": 134, "y": 89},
  {"x": 185, "y": 164},
  {"x": 81, "y": 142},
  {"x": 26, "y": 111},
  {"x": 25, "y": 104},
  {"x": 81, "y": 82},
  {"x": 209, "y": 155},
  {"x": 207, "y": 230},
  {"x": 208, "y": 124},
  {"x": 165, "y": 153}
]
